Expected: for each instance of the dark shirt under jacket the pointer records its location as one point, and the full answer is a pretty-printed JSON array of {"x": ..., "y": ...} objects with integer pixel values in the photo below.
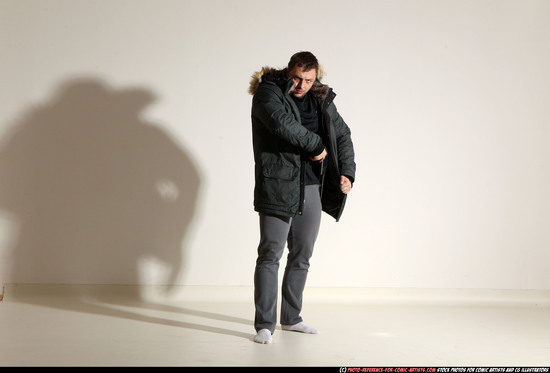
[{"x": 307, "y": 106}]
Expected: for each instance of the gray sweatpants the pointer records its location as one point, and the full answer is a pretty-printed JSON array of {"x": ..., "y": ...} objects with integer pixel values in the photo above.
[{"x": 300, "y": 232}]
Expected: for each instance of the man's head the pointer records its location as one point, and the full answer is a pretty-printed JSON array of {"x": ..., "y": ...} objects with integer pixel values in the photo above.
[{"x": 302, "y": 69}]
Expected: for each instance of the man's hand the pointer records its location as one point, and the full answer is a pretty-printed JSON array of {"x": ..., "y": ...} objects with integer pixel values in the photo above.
[
  {"x": 345, "y": 184},
  {"x": 320, "y": 157}
]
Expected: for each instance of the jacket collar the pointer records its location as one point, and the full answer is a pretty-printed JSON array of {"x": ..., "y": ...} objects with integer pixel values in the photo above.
[{"x": 278, "y": 76}]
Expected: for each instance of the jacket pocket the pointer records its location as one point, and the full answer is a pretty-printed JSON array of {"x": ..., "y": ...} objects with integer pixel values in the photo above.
[{"x": 275, "y": 166}]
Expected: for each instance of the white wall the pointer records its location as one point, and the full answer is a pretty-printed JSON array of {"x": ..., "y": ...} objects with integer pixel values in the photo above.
[{"x": 125, "y": 144}]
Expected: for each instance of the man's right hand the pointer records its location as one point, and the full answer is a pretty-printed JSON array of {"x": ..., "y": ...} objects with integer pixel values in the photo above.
[{"x": 320, "y": 157}]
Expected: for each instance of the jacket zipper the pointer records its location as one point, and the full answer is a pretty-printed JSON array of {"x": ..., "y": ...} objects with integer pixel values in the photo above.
[{"x": 326, "y": 129}]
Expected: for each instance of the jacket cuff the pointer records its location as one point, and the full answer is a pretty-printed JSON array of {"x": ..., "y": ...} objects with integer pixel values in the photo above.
[
  {"x": 318, "y": 150},
  {"x": 350, "y": 178}
]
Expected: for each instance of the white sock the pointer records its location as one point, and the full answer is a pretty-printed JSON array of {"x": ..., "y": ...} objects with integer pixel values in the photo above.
[
  {"x": 301, "y": 327},
  {"x": 263, "y": 336}
]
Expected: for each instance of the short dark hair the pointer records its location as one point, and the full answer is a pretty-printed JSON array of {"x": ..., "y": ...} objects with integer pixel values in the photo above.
[{"x": 305, "y": 60}]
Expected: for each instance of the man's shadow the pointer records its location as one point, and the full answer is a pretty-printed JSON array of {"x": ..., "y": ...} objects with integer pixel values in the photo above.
[{"x": 95, "y": 191}]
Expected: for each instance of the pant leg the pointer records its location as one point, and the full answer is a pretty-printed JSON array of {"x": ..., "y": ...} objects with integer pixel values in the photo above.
[
  {"x": 273, "y": 238},
  {"x": 303, "y": 234}
]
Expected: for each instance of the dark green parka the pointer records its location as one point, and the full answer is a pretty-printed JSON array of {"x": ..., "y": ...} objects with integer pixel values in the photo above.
[{"x": 282, "y": 145}]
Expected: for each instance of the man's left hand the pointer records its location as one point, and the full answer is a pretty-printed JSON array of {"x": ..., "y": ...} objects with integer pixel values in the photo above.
[{"x": 345, "y": 184}]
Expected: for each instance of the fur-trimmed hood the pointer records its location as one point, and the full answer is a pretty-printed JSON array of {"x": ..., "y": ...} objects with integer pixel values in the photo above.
[{"x": 318, "y": 89}]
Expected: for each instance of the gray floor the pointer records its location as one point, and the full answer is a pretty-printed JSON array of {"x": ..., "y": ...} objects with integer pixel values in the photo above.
[{"x": 194, "y": 326}]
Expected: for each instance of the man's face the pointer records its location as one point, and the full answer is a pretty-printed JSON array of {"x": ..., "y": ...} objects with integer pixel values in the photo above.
[{"x": 303, "y": 80}]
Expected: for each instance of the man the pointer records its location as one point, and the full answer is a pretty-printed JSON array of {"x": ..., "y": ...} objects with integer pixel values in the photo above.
[{"x": 304, "y": 164}]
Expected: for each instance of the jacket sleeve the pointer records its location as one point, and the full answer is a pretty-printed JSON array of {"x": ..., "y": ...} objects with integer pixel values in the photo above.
[
  {"x": 346, "y": 152},
  {"x": 268, "y": 106}
]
